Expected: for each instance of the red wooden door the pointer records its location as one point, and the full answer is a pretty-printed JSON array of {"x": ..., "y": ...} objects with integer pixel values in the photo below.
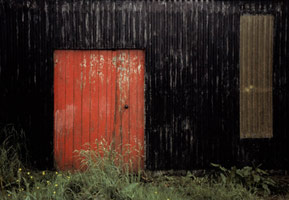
[{"x": 97, "y": 94}]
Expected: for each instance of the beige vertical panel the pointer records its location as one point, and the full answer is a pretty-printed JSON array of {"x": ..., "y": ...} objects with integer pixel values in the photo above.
[{"x": 256, "y": 72}]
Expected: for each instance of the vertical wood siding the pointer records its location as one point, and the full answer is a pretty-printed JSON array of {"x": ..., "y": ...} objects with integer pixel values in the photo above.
[
  {"x": 98, "y": 97},
  {"x": 256, "y": 73},
  {"x": 192, "y": 73}
]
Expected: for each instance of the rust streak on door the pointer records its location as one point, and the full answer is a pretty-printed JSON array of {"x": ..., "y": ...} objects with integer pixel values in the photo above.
[{"x": 98, "y": 94}]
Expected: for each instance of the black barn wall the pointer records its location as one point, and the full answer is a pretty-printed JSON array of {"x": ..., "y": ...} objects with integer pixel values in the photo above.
[{"x": 191, "y": 83}]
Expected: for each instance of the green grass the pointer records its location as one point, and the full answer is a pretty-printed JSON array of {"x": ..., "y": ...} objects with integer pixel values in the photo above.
[
  {"x": 97, "y": 184},
  {"x": 103, "y": 179}
]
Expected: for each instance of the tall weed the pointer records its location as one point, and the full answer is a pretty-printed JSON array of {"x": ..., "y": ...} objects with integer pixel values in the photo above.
[
  {"x": 12, "y": 142},
  {"x": 9, "y": 165}
]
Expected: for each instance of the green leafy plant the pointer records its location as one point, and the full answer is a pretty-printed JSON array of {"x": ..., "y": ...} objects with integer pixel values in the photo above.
[{"x": 253, "y": 178}]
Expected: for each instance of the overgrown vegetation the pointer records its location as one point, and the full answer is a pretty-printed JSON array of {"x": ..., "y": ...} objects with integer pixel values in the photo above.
[
  {"x": 106, "y": 176},
  {"x": 253, "y": 178}
]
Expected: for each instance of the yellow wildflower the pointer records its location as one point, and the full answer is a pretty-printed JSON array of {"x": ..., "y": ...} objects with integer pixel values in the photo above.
[
  {"x": 56, "y": 173},
  {"x": 156, "y": 192},
  {"x": 28, "y": 173},
  {"x": 31, "y": 177},
  {"x": 9, "y": 195},
  {"x": 19, "y": 169},
  {"x": 68, "y": 177},
  {"x": 56, "y": 185},
  {"x": 37, "y": 188},
  {"x": 54, "y": 192},
  {"x": 43, "y": 173}
]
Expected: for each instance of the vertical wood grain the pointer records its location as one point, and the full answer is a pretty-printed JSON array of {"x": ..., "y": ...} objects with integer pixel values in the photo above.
[
  {"x": 174, "y": 114},
  {"x": 77, "y": 96},
  {"x": 140, "y": 120},
  {"x": 86, "y": 99},
  {"x": 256, "y": 72},
  {"x": 93, "y": 128},
  {"x": 69, "y": 110},
  {"x": 59, "y": 107},
  {"x": 102, "y": 97}
]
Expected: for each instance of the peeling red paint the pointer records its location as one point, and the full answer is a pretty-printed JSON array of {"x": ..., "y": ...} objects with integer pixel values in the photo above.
[{"x": 99, "y": 94}]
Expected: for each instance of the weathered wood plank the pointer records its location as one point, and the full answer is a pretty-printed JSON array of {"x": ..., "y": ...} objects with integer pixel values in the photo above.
[{"x": 256, "y": 72}]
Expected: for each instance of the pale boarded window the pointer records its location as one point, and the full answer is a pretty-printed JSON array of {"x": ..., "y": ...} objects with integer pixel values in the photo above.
[{"x": 256, "y": 72}]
